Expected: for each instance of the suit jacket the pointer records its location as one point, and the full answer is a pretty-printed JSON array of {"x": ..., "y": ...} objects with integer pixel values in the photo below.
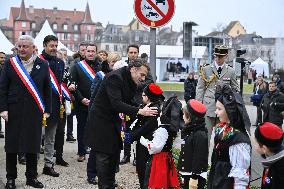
[
  {"x": 23, "y": 129},
  {"x": 114, "y": 97},
  {"x": 206, "y": 92}
]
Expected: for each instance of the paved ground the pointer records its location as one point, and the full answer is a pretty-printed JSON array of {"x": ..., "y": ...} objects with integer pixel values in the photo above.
[{"x": 74, "y": 177}]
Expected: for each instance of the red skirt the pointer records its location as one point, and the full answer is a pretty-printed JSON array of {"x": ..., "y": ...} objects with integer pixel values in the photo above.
[{"x": 163, "y": 172}]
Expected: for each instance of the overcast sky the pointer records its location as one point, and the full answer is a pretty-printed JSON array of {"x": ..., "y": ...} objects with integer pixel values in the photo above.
[{"x": 266, "y": 17}]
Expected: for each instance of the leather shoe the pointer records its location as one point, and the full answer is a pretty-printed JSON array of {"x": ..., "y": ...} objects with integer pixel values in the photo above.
[
  {"x": 70, "y": 139},
  {"x": 10, "y": 184},
  {"x": 34, "y": 183},
  {"x": 22, "y": 160},
  {"x": 125, "y": 159},
  {"x": 60, "y": 161},
  {"x": 50, "y": 171},
  {"x": 92, "y": 180},
  {"x": 81, "y": 158}
]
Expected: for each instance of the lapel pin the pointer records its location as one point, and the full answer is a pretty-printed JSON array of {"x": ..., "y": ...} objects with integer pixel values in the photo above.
[{"x": 37, "y": 67}]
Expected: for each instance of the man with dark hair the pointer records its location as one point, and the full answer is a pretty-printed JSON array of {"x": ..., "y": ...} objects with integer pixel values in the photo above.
[
  {"x": 23, "y": 105},
  {"x": 82, "y": 74},
  {"x": 2, "y": 60},
  {"x": 56, "y": 69},
  {"x": 272, "y": 105},
  {"x": 144, "y": 56},
  {"x": 132, "y": 52},
  {"x": 280, "y": 84},
  {"x": 104, "y": 133}
]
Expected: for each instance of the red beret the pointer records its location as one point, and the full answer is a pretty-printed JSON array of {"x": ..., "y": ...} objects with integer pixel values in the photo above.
[
  {"x": 154, "y": 92},
  {"x": 269, "y": 134},
  {"x": 196, "y": 108}
]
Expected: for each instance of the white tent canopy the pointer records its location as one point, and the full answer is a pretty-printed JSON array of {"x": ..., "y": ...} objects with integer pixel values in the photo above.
[
  {"x": 167, "y": 51},
  {"x": 46, "y": 30},
  {"x": 260, "y": 66},
  {"x": 5, "y": 44}
]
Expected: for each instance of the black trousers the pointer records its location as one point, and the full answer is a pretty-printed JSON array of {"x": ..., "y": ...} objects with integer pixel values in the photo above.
[
  {"x": 11, "y": 165},
  {"x": 106, "y": 166},
  {"x": 59, "y": 137}
]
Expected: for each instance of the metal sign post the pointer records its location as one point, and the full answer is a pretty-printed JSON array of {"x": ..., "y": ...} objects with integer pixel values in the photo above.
[
  {"x": 154, "y": 13},
  {"x": 153, "y": 53}
]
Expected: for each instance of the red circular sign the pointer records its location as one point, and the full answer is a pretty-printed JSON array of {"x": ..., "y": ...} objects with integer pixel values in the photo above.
[{"x": 149, "y": 11}]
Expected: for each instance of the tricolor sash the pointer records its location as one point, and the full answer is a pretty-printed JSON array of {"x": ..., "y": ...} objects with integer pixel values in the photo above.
[
  {"x": 65, "y": 92},
  {"x": 54, "y": 83},
  {"x": 28, "y": 82},
  {"x": 87, "y": 69}
]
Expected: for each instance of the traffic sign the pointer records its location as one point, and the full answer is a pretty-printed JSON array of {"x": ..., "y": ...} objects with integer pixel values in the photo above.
[{"x": 154, "y": 13}]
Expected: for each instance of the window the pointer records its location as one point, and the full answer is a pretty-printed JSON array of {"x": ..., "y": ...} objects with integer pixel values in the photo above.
[
  {"x": 58, "y": 36},
  {"x": 33, "y": 25},
  {"x": 76, "y": 27},
  {"x": 76, "y": 37},
  {"x": 136, "y": 37},
  {"x": 107, "y": 47},
  {"x": 89, "y": 37},
  {"x": 88, "y": 28},
  {"x": 65, "y": 36},
  {"x": 24, "y": 24},
  {"x": 115, "y": 47},
  {"x": 65, "y": 27},
  {"x": 68, "y": 36},
  {"x": 145, "y": 38},
  {"x": 54, "y": 26}
]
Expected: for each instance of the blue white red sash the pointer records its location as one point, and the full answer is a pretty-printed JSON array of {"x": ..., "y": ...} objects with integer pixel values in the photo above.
[
  {"x": 65, "y": 92},
  {"x": 28, "y": 82},
  {"x": 87, "y": 69},
  {"x": 54, "y": 83}
]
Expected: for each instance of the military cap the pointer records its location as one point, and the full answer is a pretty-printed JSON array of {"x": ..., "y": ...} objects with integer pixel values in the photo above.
[{"x": 221, "y": 50}]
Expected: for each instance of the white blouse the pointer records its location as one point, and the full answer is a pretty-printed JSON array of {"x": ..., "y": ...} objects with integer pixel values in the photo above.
[{"x": 157, "y": 144}]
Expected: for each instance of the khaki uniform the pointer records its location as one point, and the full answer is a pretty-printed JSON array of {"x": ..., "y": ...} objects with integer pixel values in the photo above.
[{"x": 205, "y": 90}]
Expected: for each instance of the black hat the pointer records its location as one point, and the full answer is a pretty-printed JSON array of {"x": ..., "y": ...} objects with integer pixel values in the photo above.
[
  {"x": 234, "y": 106},
  {"x": 154, "y": 92},
  {"x": 269, "y": 134},
  {"x": 196, "y": 108},
  {"x": 221, "y": 50}
]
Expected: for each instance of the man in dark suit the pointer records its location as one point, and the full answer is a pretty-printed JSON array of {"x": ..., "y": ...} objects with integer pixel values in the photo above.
[
  {"x": 82, "y": 74},
  {"x": 24, "y": 125},
  {"x": 114, "y": 97},
  {"x": 56, "y": 66}
]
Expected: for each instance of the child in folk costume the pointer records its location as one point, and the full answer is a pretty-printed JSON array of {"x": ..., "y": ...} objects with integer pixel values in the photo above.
[
  {"x": 145, "y": 126},
  {"x": 269, "y": 138},
  {"x": 160, "y": 169},
  {"x": 230, "y": 162},
  {"x": 193, "y": 159}
]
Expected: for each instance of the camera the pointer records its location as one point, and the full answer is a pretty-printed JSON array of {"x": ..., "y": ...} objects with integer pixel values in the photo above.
[{"x": 242, "y": 60}]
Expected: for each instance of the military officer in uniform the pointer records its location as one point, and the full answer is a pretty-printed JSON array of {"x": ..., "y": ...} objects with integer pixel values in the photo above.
[{"x": 217, "y": 73}]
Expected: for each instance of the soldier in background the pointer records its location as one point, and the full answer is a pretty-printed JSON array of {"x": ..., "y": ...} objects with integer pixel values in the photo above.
[{"x": 217, "y": 73}]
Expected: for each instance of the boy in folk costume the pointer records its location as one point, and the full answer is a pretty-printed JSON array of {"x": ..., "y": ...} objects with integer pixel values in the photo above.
[
  {"x": 145, "y": 126},
  {"x": 193, "y": 160},
  {"x": 160, "y": 168},
  {"x": 269, "y": 138},
  {"x": 230, "y": 162}
]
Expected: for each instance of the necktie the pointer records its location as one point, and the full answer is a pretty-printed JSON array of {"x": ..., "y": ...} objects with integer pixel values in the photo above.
[{"x": 219, "y": 71}]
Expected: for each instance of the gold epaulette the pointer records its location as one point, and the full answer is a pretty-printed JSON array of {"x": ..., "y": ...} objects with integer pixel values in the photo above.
[{"x": 207, "y": 82}]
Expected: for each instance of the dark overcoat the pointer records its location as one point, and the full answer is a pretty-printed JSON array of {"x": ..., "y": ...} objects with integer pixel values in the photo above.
[
  {"x": 114, "y": 96},
  {"x": 24, "y": 126}
]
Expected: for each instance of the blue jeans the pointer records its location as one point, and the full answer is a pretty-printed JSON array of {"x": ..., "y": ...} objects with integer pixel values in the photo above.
[
  {"x": 81, "y": 125},
  {"x": 91, "y": 165}
]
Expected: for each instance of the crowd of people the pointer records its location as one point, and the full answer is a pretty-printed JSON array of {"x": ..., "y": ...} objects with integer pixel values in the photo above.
[{"x": 117, "y": 103}]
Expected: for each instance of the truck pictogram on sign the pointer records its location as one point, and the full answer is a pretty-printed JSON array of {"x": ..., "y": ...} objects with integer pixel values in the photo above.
[{"x": 154, "y": 13}]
